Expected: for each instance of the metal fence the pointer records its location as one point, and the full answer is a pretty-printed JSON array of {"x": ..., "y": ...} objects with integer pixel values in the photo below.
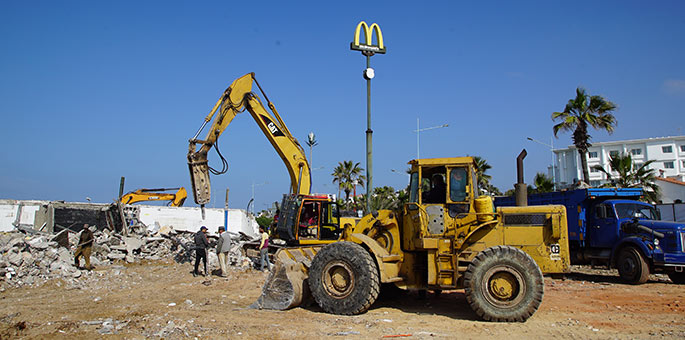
[{"x": 672, "y": 211}]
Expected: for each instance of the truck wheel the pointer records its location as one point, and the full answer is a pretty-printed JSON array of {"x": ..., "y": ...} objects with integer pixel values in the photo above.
[
  {"x": 504, "y": 284},
  {"x": 632, "y": 266},
  {"x": 343, "y": 279},
  {"x": 677, "y": 277}
]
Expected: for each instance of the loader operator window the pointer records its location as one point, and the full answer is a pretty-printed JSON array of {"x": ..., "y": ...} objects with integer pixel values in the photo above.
[
  {"x": 436, "y": 188},
  {"x": 414, "y": 188},
  {"x": 458, "y": 182}
]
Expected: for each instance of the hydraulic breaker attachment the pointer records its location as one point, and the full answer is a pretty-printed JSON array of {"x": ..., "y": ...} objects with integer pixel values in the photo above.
[{"x": 286, "y": 286}]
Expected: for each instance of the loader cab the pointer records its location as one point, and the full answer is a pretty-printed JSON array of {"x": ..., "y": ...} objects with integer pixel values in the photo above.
[{"x": 441, "y": 196}]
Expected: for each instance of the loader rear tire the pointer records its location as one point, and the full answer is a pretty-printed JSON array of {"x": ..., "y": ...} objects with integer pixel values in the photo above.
[
  {"x": 632, "y": 266},
  {"x": 343, "y": 279},
  {"x": 504, "y": 284}
]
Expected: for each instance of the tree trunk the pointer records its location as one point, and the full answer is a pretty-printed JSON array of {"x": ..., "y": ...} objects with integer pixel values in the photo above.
[{"x": 583, "y": 164}]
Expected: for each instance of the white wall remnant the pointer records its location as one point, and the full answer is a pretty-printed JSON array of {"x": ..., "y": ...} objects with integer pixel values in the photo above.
[
  {"x": 190, "y": 219},
  {"x": 10, "y": 208},
  {"x": 180, "y": 218}
]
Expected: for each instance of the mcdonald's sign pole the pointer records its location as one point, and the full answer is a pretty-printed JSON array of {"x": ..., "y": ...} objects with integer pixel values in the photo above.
[{"x": 368, "y": 49}]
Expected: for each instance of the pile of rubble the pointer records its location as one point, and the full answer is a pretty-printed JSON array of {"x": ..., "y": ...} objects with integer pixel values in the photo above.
[{"x": 33, "y": 258}]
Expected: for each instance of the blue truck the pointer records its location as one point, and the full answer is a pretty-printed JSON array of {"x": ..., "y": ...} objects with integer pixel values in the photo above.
[{"x": 611, "y": 227}]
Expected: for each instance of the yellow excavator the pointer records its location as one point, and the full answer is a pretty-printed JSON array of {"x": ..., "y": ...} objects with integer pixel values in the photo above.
[
  {"x": 237, "y": 98},
  {"x": 176, "y": 199},
  {"x": 444, "y": 238}
]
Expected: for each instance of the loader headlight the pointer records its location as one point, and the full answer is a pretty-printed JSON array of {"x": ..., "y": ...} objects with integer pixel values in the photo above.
[{"x": 656, "y": 242}]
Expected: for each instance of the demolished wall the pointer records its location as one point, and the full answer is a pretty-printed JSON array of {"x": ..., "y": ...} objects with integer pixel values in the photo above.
[
  {"x": 190, "y": 219},
  {"x": 10, "y": 209},
  {"x": 154, "y": 217}
]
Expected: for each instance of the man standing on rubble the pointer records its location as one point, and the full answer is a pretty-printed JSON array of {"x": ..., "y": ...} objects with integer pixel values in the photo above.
[
  {"x": 85, "y": 245},
  {"x": 223, "y": 246},
  {"x": 201, "y": 245},
  {"x": 264, "y": 249}
]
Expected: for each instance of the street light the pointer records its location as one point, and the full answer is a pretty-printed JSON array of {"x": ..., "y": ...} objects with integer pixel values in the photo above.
[
  {"x": 255, "y": 185},
  {"x": 418, "y": 131},
  {"x": 551, "y": 149},
  {"x": 312, "y": 171}
]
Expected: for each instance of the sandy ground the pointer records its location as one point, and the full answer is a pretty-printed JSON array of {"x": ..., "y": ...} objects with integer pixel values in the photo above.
[{"x": 163, "y": 300}]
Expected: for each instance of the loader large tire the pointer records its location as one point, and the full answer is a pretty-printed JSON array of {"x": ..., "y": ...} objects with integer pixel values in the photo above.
[
  {"x": 632, "y": 266},
  {"x": 343, "y": 279},
  {"x": 504, "y": 284}
]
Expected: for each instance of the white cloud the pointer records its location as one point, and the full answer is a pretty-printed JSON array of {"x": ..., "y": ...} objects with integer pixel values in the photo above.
[{"x": 674, "y": 86}]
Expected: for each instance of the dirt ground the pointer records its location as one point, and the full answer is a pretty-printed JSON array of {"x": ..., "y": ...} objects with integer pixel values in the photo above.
[{"x": 163, "y": 300}]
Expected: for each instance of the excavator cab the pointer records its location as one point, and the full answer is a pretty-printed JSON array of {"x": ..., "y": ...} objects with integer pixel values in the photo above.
[{"x": 308, "y": 219}]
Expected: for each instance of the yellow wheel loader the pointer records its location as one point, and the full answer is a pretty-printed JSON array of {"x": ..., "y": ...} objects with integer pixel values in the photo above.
[{"x": 444, "y": 238}]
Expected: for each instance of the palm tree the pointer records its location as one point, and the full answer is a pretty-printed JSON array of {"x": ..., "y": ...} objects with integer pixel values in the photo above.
[
  {"x": 348, "y": 174},
  {"x": 482, "y": 178},
  {"x": 631, "y": 175},
  {"x": 338, "y": 176},
  {"x": 382, "y": 198},
  {"x": 311, "y": 142},
  {"x": 543, "y": 183},
  {"x": 581, "y": 112}
]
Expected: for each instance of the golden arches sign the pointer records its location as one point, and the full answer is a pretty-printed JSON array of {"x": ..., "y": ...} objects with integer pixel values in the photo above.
[{"x": 368, "y": 46}]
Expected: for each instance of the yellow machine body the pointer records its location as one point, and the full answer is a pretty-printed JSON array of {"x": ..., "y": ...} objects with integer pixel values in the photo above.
[
  {"x": 175, "y": 199},
  {"x": 431, "y": 241}
]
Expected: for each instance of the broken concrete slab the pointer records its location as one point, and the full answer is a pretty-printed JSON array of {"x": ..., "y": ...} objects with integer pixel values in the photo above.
[
  {"x": 132, "y": 243},
  {"x": 38, "y": 243},
  {"x": 116, "y": 256}
]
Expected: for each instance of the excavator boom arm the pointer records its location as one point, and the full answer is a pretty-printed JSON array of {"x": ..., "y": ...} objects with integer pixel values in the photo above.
[
  {"x": 237, "y": 98},
  {"x": 143, "y": 195}
]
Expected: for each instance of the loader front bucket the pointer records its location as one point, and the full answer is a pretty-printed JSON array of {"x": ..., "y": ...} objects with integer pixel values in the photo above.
[{"x": 286, "y": 286}]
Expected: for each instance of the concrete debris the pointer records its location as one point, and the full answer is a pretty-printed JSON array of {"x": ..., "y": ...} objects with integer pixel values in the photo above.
[{"x": 28, "y": 258}]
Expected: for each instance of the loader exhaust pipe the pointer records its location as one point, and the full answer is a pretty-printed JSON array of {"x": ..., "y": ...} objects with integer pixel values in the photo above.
[{"x": 520, "y": 188}]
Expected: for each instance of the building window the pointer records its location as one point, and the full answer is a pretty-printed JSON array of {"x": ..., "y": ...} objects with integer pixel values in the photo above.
[
  {"x": 669, "y": 165},
  {"x": 592, "y": 154},
  {"x": 635, "y": 152},
  {"x": 593, "y": 169},
  {"x": 683, "y": 164},
  {"x": 613, "y": 153},
  {"x": 666, "y": 149},
  {"x": 594, "y": 183},
  {"x": 682, "y": 148}
]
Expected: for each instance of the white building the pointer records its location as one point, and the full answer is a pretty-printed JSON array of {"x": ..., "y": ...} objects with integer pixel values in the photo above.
[{"x": 668, "y": 154}]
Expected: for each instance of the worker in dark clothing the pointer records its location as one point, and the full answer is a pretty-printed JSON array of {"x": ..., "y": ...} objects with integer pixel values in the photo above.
[
  {"x": 85, "y": 245},
  {"x": 201, "y": 245}
]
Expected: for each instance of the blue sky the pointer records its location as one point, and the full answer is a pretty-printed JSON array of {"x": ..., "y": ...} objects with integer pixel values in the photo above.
[{"x": 92, "y": 91}]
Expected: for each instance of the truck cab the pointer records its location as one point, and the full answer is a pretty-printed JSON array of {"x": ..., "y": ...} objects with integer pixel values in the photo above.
[{"x": 606, "y": 218}]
